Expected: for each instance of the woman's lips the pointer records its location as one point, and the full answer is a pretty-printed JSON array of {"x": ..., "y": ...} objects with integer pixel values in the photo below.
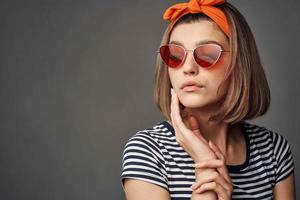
[
  {"x": 191, "y": 88},
  {"x": 189, "y": 84}
]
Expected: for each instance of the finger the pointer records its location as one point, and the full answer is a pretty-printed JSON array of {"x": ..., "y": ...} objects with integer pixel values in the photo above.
[
  {"x": 215, "y": 163},
  {"x": 221, "y": 192},
  {"x": 223, "y": 170},
  {"x": 193, "y": 122},
  {"x": 213, "y": 177},
  {"x": 223, "y": 182},
  {"x": 217, "y": 151},
  {"x": 174, "y": 123},
  {"x": 173, "y": 104},
  {"x": 177, "y": 118},
  {"x": 172, "y": 111},
  {"x": 206, "y": 187},
  {"x": 194, "y": 126},
  {"x": 171, "y": 107},
  {"x": 209, "y": 178}
]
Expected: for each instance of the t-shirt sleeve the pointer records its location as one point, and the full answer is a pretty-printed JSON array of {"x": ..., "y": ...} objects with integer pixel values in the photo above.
[
  {"x": 283, "y": 156},
  {"x": 143, "y": 160}
]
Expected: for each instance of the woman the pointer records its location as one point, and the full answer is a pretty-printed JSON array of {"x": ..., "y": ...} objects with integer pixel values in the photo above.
[{"x": 209, "y": 80}]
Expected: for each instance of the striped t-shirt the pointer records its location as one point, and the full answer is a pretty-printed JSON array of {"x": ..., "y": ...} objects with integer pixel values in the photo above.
[{"x": 154, "y": 156}]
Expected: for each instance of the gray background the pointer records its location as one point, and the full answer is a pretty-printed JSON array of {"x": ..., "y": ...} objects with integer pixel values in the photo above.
[{"x": 77, "y": 79}]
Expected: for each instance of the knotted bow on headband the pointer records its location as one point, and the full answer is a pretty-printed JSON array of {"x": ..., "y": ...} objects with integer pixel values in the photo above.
[{"x": 206, "y": 7}]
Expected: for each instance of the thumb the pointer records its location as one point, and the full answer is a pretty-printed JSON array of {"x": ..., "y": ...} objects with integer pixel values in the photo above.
[{"x": 194, "y": 126}]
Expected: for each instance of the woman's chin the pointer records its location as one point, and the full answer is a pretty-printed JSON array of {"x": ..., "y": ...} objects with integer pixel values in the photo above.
[
  {"x": 192, "y": 101},
  {"x": 196, "y": 102},
  {"x": 200, "y": 103},
  {"x": 196, "y": 105}
]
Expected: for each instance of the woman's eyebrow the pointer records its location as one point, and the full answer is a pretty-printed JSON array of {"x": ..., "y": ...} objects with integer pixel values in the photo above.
[{"x": 197, "y": 43}]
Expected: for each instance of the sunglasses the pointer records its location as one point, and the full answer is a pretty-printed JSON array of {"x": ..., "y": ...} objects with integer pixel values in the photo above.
[{"x": 205, "y": 55}]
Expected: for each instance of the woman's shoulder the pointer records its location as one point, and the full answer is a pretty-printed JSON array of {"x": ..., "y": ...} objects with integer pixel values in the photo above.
[
  {"x": 156, "y": 134},
  {"x": 272, "y": 147},
  {"x": 143, "y": 157},
  {"x": 267, "y": 139},
  {"x": 258, "y": 132}
]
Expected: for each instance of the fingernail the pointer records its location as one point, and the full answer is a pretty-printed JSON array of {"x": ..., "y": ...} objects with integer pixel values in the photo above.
[
  {"x": 199, "y": 165},
  {"x": 193, "y": 186}
]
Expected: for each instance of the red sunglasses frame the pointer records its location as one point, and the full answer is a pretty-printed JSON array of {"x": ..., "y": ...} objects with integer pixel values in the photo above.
[{"x": 186, "y": 51}]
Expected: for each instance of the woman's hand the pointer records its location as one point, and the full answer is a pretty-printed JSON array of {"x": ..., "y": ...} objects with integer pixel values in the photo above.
[
  {"x": 189, "y": 136},
  {"x": 218, "y": 181}
]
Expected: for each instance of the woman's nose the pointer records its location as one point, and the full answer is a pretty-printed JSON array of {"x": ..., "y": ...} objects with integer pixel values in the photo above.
[{"x": 190, "y": 67}]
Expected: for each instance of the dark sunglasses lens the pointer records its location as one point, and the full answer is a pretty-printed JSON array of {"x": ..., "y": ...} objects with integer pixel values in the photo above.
[
  {"x": 172, "y": 55},
  {"x": 207, "y": 55}
]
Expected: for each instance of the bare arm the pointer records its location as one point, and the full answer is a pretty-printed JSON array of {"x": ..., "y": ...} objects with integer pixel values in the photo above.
[
  {"x": 142, "y": 190},
  {"x": 285, "y": 189}
]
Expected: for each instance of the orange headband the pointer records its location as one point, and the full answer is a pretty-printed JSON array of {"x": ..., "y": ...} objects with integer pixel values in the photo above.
[{"x": 206, "y": 7}]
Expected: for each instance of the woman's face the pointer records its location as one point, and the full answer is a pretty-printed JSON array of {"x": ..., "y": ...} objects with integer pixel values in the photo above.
[{"x": 188, "y": 35}]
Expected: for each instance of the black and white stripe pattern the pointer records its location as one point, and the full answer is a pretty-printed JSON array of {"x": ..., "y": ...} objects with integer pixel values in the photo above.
[{"x": 153, "y": 155}]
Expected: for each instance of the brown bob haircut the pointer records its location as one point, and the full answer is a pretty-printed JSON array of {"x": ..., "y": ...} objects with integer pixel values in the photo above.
[{"x": 248, "y": 94}]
